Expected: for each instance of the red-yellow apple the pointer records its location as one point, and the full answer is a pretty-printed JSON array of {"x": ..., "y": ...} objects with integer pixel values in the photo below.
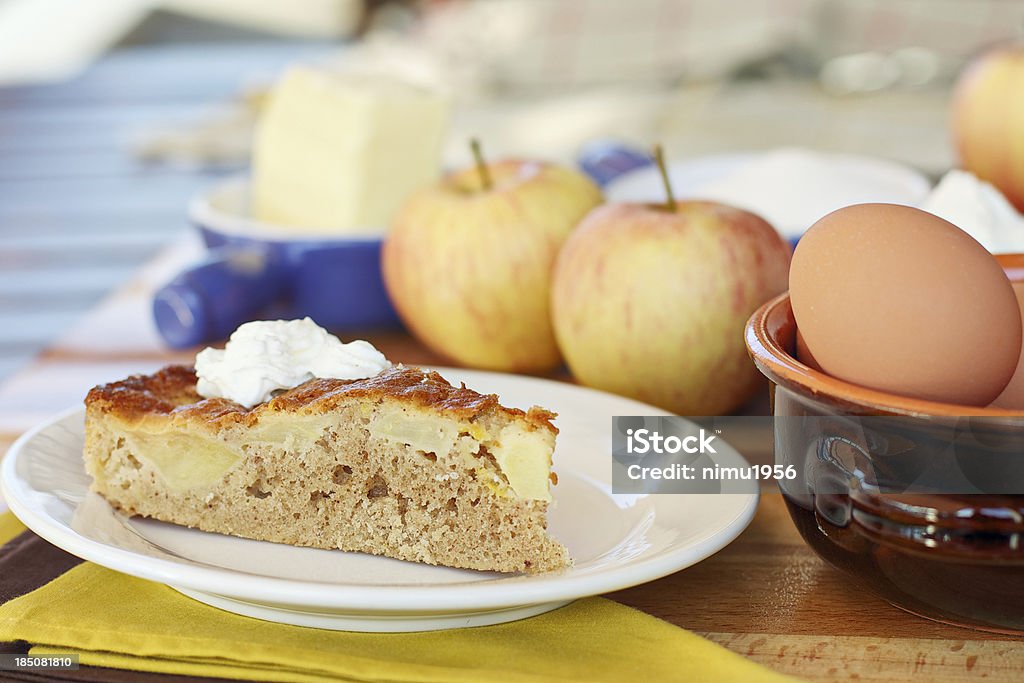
[
  {"x": 651, "y": 303},
  {"x": 468, "y": 267},
  {"x": 988, "y": 120}
]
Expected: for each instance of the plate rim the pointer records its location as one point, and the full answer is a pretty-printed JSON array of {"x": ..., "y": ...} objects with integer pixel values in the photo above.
[
  {"x": 547, "y": 587},
  {"x": 908, "y": 177}
]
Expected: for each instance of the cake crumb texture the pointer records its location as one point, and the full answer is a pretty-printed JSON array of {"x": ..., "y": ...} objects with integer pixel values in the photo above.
[{"x": 401, "y": 465}]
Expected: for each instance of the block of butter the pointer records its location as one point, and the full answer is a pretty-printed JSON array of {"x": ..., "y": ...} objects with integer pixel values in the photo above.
[{"x": 338, "y": 154}]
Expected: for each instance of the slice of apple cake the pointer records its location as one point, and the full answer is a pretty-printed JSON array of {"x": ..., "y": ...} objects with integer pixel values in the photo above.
[{"x": 401, "y": 464}]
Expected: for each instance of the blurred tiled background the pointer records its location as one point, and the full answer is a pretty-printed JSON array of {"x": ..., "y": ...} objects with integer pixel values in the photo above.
[{"x": 115, "y": 112}]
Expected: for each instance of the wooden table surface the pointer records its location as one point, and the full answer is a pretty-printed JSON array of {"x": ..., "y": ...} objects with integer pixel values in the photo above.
[{"x": 766, "y": 596}]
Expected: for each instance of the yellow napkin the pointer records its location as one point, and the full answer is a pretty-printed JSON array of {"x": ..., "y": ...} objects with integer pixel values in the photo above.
[
  {"x": 9, "y": 527},
  {"x": 115, "y": 620}
]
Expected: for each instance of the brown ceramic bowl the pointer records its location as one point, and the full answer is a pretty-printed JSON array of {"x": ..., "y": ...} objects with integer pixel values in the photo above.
[{"x": 867, "y": 498}]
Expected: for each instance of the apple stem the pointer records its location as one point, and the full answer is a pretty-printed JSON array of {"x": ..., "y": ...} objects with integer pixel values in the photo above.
[
  {"x": 481, "y": 167},
  {"x": 659, "y": 159}
]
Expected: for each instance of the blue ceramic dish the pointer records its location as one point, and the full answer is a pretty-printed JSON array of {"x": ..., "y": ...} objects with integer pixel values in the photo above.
[{"x": 256, "y": 270}]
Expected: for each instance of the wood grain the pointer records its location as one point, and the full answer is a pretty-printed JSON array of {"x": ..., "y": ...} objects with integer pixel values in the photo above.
[
  {"x": 881, "y": 660},
  {"x": 768, "y": 597},
  {"x": 65, "y": 170}
]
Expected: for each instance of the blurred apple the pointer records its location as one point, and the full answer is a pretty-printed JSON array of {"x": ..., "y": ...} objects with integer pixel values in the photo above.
[
  {"x": 468, "y": 261},
  {"x": 651, "y": 301},
  {"x": 988, "y": 120}
]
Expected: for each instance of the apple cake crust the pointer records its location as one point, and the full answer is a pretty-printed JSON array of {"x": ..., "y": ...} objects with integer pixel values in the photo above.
[{"x": 402, "y": 464}]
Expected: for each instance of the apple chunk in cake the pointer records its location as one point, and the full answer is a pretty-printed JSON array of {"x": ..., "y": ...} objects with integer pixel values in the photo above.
[{"x": 402, "y": 464}]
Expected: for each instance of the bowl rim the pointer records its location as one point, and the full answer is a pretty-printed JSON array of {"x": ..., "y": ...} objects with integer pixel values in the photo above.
[
  {"x": 783, "y": 369},
  {"x": 205, "y": 214}
]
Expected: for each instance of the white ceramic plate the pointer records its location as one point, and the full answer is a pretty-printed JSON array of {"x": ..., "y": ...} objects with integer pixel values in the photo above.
[
  {"x": 616, "y": 540},
  {"x": 840, "y": 180}
]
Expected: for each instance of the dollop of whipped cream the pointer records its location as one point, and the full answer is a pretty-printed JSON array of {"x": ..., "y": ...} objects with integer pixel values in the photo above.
[
  {"x": 264, "y": 356},
  {"x": 979, "y": 209}
]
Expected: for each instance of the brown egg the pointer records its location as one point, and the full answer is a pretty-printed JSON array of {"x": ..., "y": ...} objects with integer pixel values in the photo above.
[
  {"x": 896, "y": 299},
  {"x": 1012, "y": 397},
  {"x": 804, "y": 355}
]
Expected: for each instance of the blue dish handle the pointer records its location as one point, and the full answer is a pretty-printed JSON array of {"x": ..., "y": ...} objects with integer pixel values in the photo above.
[
  {"x": 234, "y": 284},
  {"x": 210, "y": 300},
  {"x": 606, "y": 160}
]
